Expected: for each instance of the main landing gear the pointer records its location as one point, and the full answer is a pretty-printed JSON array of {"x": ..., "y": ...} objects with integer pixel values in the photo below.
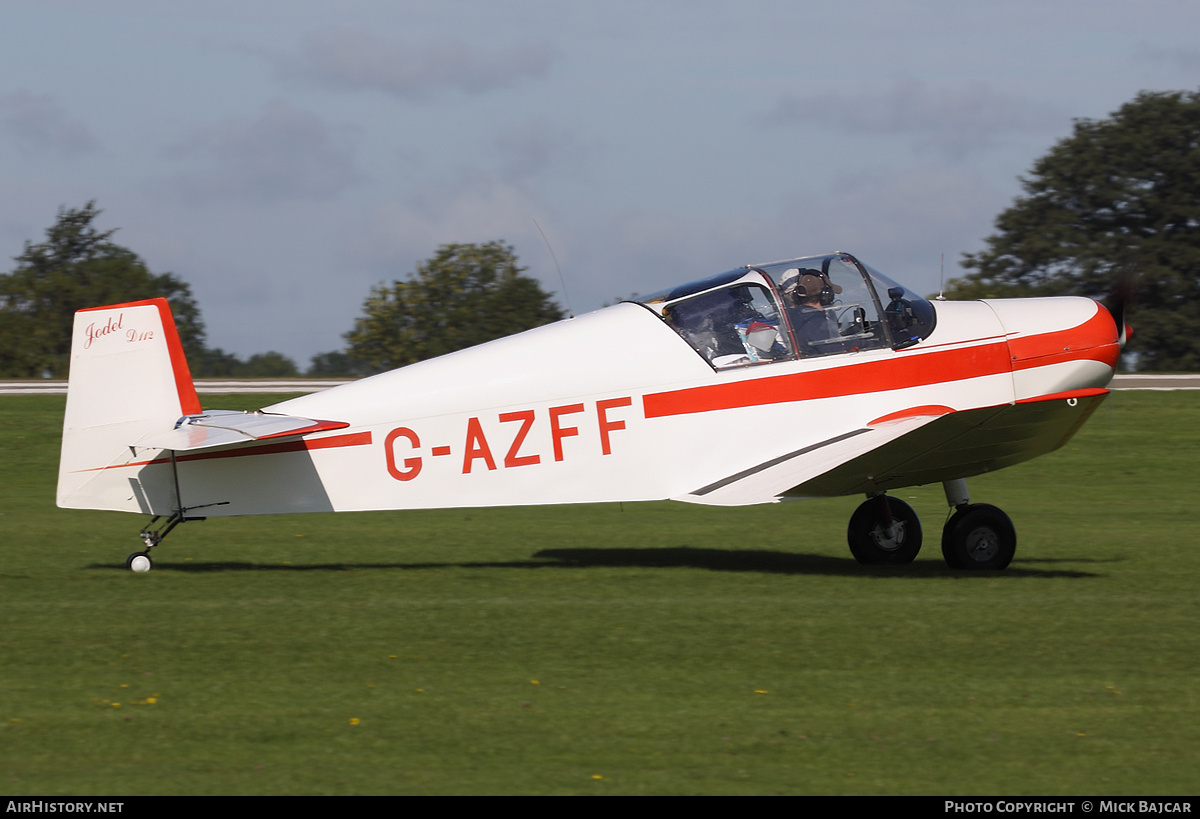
[{"x": 885, "y": 530}]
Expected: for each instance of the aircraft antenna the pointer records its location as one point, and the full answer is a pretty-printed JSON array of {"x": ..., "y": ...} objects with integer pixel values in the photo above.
[
  {"x": 942, "y": 285},
  {"x": 561, "y": 280}
]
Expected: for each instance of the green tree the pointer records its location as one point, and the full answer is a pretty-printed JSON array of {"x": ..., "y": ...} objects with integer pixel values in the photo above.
[
  {"x": 463, "y": 296},
  {"x": 268, "y": 365},
  {"x": 77, "y": 266},
  {"x": 213, "y": 362},
  {"x": 1116, "y": 204},
  {"x": 336, "y": 364},
  {"x": 216, "y": 363}
]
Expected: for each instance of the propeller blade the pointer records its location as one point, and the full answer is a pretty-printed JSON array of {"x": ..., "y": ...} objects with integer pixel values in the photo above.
[{"x": 1119, "y": 299}]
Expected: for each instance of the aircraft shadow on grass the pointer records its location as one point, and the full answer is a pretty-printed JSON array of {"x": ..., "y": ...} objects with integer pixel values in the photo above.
[{"x": 686, "y": 557}]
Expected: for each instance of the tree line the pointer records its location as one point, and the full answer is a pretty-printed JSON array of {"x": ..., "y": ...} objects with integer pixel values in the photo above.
[
  {"x": 1113, "y": 210},
  {"x": 464, "y": 295}
]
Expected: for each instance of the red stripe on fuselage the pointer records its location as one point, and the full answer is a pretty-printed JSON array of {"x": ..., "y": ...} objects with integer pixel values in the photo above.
[
  {"x": 903, "y": 371},
  {"x": 1094, "y": 340}
]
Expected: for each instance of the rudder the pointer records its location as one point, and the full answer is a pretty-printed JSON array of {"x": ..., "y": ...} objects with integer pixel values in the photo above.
[{"x": 128, "y": 380}]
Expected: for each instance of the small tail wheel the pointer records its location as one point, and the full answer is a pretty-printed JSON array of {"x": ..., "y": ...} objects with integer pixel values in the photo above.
[
  {"x": 873, "y": 540},
  {"x": 139, "y": 562},
  {"x": 979, "y": 536}
]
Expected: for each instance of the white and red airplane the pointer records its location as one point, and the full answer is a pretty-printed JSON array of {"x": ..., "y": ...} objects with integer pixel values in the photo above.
[{"x": 809, "y": 377}]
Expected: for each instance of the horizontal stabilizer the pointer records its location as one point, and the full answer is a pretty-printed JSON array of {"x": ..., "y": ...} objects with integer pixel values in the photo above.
[{"x": 225, "y": 427}]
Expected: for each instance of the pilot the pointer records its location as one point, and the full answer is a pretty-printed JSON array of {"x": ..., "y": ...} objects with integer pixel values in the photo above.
[{"x": 806, "y": 293}]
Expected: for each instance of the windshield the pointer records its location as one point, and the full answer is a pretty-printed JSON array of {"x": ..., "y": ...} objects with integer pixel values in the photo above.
[
  {"x": 811, "y": 306},
  {"x": 911, "y": 317}
]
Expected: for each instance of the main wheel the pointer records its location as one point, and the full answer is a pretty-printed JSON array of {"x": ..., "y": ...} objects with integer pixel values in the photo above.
[
  {"x": 979, "y": 536},
  {"x": 873, "y": 542},
  {"x": 139, "y": 562}
]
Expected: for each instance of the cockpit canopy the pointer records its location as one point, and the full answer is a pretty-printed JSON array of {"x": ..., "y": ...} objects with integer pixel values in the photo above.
[{"x": 797, "y": 308}]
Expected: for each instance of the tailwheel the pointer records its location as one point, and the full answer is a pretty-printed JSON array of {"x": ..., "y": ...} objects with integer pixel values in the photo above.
[
  {"x": 139, "y": 561},
  {"x": 978, "y": 536},
  {"x": 884, "y": 530}
]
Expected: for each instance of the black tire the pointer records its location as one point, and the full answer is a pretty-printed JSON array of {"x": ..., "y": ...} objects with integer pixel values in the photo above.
[
  {"x": 868, "y": 538},
  {"x": 142, "y": 567},
  {"x": 979, "y": 537}
]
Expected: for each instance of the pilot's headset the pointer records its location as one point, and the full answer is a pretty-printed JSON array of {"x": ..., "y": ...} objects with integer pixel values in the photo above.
[
  {"x": 813, "y": 283},
  {"x": 799, "y": 284}
]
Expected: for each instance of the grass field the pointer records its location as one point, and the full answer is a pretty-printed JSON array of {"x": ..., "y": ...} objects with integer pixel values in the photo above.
[{"x": 644, "y": 648}]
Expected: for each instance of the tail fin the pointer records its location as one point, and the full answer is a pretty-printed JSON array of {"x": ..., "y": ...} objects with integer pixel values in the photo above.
[{"x": 129, "y": 380}]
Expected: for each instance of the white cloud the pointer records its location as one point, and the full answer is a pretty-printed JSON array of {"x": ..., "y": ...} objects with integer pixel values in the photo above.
[
  {"x": 1181, "y": 58},
  {"x": 360, "y": 60},
  {"x": 949, "y": 120},
  {"x": 479, "y": 210},
  {"x": 534, "y": 148},
  {"x": 39, "y": 125},
  {"x": 285, "y": 153}
]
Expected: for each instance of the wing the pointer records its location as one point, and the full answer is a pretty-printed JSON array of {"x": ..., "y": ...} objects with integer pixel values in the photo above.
[
  {"x": 909, "y": 448},
  {"x": 766, "y": 482}
]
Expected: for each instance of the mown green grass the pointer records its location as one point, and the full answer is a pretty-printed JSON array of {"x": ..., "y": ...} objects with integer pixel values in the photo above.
[{"x": 644, "y": 648}]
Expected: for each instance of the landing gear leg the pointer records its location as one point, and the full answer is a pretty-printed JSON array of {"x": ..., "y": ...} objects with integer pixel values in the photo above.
[
  {"x": 884, "y": 530},
  {"x": 140, "y": 561},
  {"x": 977, "y": 535}
]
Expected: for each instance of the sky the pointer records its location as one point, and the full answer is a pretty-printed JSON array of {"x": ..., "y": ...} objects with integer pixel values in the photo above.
[{"x": 283, "y": 157}]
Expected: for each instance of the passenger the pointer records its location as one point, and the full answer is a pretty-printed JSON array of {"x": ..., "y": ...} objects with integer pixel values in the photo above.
[
  {"x": 706, "y": 324},
  {"x": 727, "y": 328}
]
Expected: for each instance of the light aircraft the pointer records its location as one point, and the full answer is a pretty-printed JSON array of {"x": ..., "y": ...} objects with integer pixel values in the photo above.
[{"x": 816, "y": 376}]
